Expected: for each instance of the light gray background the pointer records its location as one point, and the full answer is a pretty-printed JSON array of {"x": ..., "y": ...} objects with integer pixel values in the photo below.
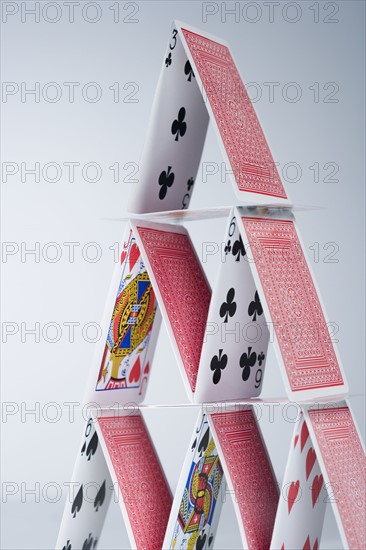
[{"x": 37, "y": 450}]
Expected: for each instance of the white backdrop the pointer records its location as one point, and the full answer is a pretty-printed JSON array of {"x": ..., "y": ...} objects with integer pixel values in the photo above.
[{"x": 304, "y": 66}]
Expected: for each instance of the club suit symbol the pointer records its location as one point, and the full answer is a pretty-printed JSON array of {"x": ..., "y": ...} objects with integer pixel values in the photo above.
[
  {"x": 166, "y": 180},
  {"x": 218, "y": 363},
  {"x": 228, "y": 308},
  {"x": 246, "y": 362},
  {"x": 255, "y": 307},
  {"x": 179, "y": 127}
]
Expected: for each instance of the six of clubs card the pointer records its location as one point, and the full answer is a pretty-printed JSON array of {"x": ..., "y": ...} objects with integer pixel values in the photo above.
[{"x": 236, "y": 340}]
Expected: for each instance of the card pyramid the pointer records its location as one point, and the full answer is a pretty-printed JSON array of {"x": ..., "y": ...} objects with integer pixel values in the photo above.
[{"x": 264, "y": 295}]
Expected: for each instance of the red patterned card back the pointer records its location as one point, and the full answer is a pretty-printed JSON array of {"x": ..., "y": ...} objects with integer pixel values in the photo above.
[
  {"x": 184, "y": 291},
  {"x": 251, "y": 474},
  {"x": 142, "y": 484},
  {"x": 296, "y": 313},
  {"x": 345, "y": 464},
  {"x": 240, "y": 130}
]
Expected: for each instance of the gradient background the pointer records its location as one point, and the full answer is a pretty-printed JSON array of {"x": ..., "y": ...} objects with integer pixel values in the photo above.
[{"x": 36, "y": 450}]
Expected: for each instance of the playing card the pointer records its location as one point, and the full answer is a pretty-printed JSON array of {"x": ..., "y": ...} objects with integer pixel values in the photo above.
[
  {"x": 236, "y": 340},
  {"x": 291, "y": 303},
  {"x": 341, "y": 456},
  {"x": 303, "y": 496},
  {"x": 130, "y": 328},
  {"x": 242, "y": 140},
  {"x": 248, "y": 473},
  {"x": 175, "y": 136},
  {"x": 143, "y": 492},
  {"x": 200, "y": 80},
  {"x": 88, "y": 498},
  {"x": 181, "y": 288},
  {"x": 197, "y": 502}
]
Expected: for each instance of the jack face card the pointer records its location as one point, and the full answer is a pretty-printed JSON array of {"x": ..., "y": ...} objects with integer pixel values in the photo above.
[
  {"x": 143, "y": 492},
  {"x": 90, "y": 492},
  {"x": 182, "y": 290},
  {"x": 131, "y": 324},
  {"x": 291, "y": 303},
  {"x": 234, "y": 350},
  {"x": 197, "y": 503},
  {"x": 248, "y": 474}
]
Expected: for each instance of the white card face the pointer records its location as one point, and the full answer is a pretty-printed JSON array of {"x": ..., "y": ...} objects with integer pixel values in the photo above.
[
  {"x": 175, "y": 137},
  {"x": 303, "y": 497},
  {"x": 236, "y": 340},
  {"x": 89, "y": 495},
  {"x": 182, "y": 290},
  {"x": 197, "y": 502},
  {"x": 131, "y": 323}
]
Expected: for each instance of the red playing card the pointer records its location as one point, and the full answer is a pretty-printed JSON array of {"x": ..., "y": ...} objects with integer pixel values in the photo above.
[
  {"x": 240, "y": 130},
  {"x": 184, "y": 290},
  {"x": 250, "y": 471},
  {"x": 143, "y": 487},
  {"x": 345, "y": 467},
  {"x": 296, "y": 313}
]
